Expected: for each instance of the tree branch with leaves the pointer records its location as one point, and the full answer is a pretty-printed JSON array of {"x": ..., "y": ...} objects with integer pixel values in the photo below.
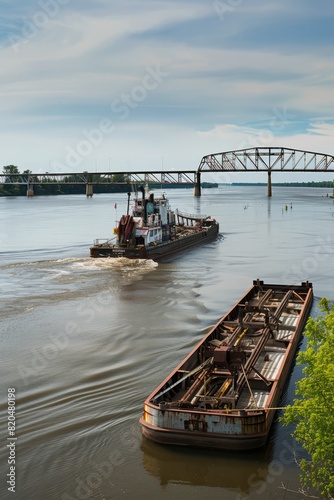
[{"x": 313, "y": 410}]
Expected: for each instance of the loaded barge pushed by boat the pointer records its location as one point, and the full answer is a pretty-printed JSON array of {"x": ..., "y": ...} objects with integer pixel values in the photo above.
[
  {"x": 154, "y": 231},
  {"x": 224, "y": 394}
]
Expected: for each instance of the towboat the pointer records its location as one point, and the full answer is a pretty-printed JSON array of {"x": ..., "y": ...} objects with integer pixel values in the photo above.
[
  {"x": 154, "y": 231},
  {"x": 225, "y": 393}
]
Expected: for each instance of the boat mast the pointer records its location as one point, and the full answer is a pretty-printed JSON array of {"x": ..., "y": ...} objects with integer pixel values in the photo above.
[{"x": 128, "y": 207}]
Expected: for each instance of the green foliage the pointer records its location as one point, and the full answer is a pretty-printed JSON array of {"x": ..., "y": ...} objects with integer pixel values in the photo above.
[
  {"x": 10, "y": 169},
  {"x": 51, "y": 186},
  {"x": 313, "y": 410}
]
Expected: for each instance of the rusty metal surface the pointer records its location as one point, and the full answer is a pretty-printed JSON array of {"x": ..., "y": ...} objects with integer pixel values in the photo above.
[
  {"x": 232, "y": 397},
  {"x": 269, "y": 364}
]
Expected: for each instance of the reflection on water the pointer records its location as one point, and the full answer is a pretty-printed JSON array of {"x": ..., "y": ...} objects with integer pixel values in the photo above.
[{"x": 217, "y": 469}]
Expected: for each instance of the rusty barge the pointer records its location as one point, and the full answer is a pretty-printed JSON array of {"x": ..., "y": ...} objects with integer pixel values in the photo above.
[
  {"x": 154, "y": 231},
  {"x": 224, "y": 394}
]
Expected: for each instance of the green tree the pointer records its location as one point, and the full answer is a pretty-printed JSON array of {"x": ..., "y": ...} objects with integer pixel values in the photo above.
[
  {"x": 10, "y": 188},
  {"x": 313, "y": 410},
  {"x": 10, "y": 169}
]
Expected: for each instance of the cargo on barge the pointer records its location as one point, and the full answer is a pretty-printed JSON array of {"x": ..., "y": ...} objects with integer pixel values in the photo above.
[
  {"x": 154, "y": 231},
  {"x": 224, "y": 394}
]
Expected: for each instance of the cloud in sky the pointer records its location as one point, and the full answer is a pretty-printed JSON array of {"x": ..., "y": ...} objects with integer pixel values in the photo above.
[{"x": 139, "y": 84}]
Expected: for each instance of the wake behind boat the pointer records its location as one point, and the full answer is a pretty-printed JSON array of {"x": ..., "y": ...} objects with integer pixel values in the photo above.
[
  {"x": 224, "y": 394},
  {"x": 154, "y": 231}
]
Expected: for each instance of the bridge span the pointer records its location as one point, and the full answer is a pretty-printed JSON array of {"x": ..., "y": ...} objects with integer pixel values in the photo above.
[
  {"x": 268, "y": 159},
  {"x": 90, "y": 179},
  {"x": 257, "y": 159}
]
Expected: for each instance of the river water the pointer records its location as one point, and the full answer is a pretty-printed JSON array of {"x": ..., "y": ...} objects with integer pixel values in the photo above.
[{"x": 84, "y": 341}]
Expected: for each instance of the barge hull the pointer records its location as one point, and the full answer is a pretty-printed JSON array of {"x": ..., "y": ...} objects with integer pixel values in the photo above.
[
  {"x": 225, "y": 393},
  {"x": 202, "y": 439}
]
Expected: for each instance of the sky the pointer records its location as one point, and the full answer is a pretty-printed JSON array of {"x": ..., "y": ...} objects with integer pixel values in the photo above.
[{"x": 128, "y": 85}]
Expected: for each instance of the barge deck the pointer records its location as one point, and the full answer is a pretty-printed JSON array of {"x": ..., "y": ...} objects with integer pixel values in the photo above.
[{"x": 224, "y": 394}]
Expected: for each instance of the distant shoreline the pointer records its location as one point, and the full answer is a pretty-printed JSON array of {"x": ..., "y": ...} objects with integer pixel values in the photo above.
[
  {"x": 64, "y": 189},
  {"x": 319, "y": 184}
]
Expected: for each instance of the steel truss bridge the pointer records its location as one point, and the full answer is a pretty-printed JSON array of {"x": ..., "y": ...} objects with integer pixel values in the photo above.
[
  {"x": 269, "y": 159},
  {"x": 156, "y": 177},
  {"x": 90, "y": 179}
]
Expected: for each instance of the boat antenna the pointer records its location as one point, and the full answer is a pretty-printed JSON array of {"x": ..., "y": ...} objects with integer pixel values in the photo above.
[{"x": 128, "y": 207}]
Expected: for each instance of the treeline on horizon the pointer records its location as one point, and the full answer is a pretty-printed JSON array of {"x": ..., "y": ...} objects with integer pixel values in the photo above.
[
  {"x": 63, "y": 189},
  {"x": 323, "y": 184},
  {"x": 60, "y": 189}
]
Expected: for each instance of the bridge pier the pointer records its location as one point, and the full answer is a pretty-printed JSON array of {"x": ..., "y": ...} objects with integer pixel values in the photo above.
[
  {"x": 30, "y": 191},
  {"x": 89, "y": 190},
  {"x": 269, "y": 184},
  {"x": 197, "y": 187}
]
